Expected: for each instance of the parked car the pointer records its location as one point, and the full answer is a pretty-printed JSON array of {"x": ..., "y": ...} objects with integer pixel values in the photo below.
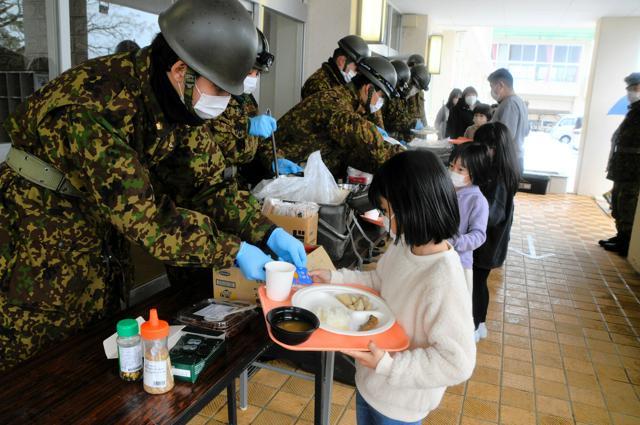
[{"x": 564, "y": 129}]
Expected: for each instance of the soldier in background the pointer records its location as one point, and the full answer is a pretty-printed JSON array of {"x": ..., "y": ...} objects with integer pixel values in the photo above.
[
  {"x": 624, "y": 170},
  {"x": 77, "y": 185},
  {"x": 396, "y": 112},
  {"x": 339, "y": 69},
  {"x": 419, "y": 83},
  {"x": 334, "y": 122}
]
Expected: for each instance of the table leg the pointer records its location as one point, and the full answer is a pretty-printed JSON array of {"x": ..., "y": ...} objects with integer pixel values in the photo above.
[
  {"x": 231, "y": 403},
  {"x": 323, "y": 387},
  {"x": 244, "y": 389}
]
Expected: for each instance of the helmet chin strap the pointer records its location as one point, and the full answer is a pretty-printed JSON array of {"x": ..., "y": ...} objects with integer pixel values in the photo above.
[
  {"x": 189, "y": 82},
  {"x": 369, "y": 97}
]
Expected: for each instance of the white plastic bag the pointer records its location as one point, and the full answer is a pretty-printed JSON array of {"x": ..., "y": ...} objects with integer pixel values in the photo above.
[{"x": 317, "y": 185}]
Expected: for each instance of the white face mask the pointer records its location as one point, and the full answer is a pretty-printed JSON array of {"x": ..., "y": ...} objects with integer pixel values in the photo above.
[
  {"x": 633, "y": 96},
  {"x": 250, "y": 84},
  {"x": 471, "y": 100},
  {"x": 348, "y": 76},
  {"x": 494, "y": 95},
  {"x": 377, "y": 106},
  {"x": 458, "y": 179},
  {"x": 387, "y": 226},
  {"x": 414, "y": 91},
  {"x": 208, "y": 106}
]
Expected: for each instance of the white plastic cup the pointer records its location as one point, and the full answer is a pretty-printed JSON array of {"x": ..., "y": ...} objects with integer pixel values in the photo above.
[
  {"x": 279, "y": 279},
  {"x": 372, "y": 214}
]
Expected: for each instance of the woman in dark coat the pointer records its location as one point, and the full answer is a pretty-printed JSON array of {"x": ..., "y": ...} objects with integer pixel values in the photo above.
[
  {"x": 461, "y": 115},
  {"x": 499, "y": 191}
]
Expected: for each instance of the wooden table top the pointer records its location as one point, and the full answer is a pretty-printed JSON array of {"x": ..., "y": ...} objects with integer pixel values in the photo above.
[{"x": 73, "y": 381}]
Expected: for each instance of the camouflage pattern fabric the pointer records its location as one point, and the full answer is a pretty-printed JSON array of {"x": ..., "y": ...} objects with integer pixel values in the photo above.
[
  {"x": 101, "y": 126},
  {"x": 624, "y": 199},
  {"x": 400, "y": 117},
  {"x": 325, "y": 78},
  {"x": 624, "y": 170},
  {"x": 333, "y": 122}
]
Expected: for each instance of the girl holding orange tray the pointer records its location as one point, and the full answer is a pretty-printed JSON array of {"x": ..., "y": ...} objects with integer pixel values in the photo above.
[{"x": 421, "y": 280}]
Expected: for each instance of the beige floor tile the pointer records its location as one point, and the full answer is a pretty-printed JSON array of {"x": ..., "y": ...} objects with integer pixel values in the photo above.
[
  {"x": 552, "y": 389},
  {"x": 453, "y": 402},
  {"x": 442, "y": 417},
  {"x": 468, "y": 420},
  {"x": 517, "y": 398},
  {"x": 289, "y": 404},
  {"x": 582, "y": 380},
  {"x": 519, "y": 382},
  {"x": 198, "y": 420},
  {"x": 547, "y": 359},
  {"x": 267, "y": 417},
  {"x": 487, "y": 375},
  {"x": 620, "y": 419},
  {"x": 298, "y": 386},
  {"x": 488, "y": 360},
  {"x": 590, "y": 396},
  {"x": 245, "y": 417},
  {"x": 483, "y": 391},
  {"x": 348, "y": 417},
  {"x": 460, "y": 388},
  {"x": 269, "y": 378},
  {"x": 613, "y": 373},
  {"x": 214, "y": 405},
  {"x": 518, "y": 367},
  {"x": 548, "y": 325},
  {"x": 549, "y": 373},
  {"x": 341, "y": 394},
  {"x": 546, "y": 419},
  {"x": 590, "y": 414},
  {"x": 553, "y": 406},
  {"x": 481, "y": 409},
  {"x": 517, "y": 353},
  {"x": 516, "y": 330},
  {"x": 514, "y": 416}
]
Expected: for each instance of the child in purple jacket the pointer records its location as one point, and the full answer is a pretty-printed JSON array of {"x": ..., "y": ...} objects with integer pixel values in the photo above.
[{"x": 468, "y": 169}]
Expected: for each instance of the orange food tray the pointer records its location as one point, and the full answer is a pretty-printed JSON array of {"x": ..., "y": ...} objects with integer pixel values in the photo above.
[
  {"x": 460, "y": 140},
  {"x": 394, "y": 339}
]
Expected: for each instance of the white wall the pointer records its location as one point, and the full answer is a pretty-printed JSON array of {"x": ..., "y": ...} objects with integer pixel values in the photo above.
[
  {"x": 328, "y": 21},
  {"x": 616, "y": 55}
]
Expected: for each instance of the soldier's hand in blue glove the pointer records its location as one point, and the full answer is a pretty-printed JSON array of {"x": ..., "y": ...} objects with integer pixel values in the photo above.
[
  {"x": 262, "y": 126},
  {"x": 287, "y": 167},
  {"x": 287, "y": 247},
  {"x": 251, "y": 261},
  {"x": 419, "y": 125},
  {"x": 382, "y": 131}
]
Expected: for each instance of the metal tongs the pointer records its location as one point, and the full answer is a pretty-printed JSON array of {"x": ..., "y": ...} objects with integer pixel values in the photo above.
[{"x": 275, "y": 150}]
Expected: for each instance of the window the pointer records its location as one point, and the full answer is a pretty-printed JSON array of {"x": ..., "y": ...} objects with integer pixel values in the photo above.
[{"x": 541, "y": 62}]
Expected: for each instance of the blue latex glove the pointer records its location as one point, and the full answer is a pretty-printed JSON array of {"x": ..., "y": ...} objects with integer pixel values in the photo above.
[
  {"x": 419, "y": 125},
  {"x": 251, "y": 261},
  {"x": 287, "y": 167},
  {"x": 403, "y": 143},
  {"x": 382, "y": 131},
  {"x": 262, "y": 126},
  {"x": 287, "y": 247}
]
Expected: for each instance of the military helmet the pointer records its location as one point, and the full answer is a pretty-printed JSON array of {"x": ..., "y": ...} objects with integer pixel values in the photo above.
[
  {"x": 216, "y": 38},
  {"x": 355, "y": 47},
  {"x": 404, "y": 75},
  {"x": 264, "y": 58},
  {"x": 420, "y": 77},
  {"x": 381, "y": 73},
  {"x": 415, "y": 59}
]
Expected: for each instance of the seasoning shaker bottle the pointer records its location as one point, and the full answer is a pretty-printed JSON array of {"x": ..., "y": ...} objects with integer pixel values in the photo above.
[
  {"x": 157, "y": 376},
  {"x": 129, "y": 350}
]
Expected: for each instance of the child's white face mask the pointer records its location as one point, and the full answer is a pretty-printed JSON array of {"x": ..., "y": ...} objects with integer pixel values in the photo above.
[
  {"x": 387, "y": 225},
  {"x": 458, "y": 179}
]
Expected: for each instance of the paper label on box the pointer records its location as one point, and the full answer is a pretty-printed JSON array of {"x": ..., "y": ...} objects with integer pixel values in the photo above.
[
  {"x": 215, "y": 312},
  {"x": 181, "y": 372}
]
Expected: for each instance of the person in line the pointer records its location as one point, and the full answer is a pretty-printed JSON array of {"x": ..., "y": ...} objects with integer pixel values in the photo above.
[
  {"x": 500, "y": 190},
  {"x": 396, "y": 111},
  {"x": 511, "y": 111},
  {"x": 461, "y": 115},
  {"x": 419, "y": 83},
  {"x": 77, "y": 186},
  {"x": 623, "y": 169},
  {"x": 445, "y": 110},
  {"x": 335, "y": 122},
  {"x": 481, "y": 116},
  {"x": 420, "y": 277},
  {"x": 127, "y": 46},
  {"x": 470, "y": 169},
  {"x": 340, "y": 68}
]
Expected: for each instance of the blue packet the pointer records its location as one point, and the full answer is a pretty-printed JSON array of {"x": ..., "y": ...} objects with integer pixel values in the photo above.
[{"x": 301, "y": 276}]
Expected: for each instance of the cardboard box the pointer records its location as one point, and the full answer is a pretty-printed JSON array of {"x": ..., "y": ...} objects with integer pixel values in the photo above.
[
  {"x": 305, "y": 229},
  {"x": 231, "y": 284}
]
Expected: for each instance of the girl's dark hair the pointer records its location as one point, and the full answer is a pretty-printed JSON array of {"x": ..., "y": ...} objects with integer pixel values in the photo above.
[
  {"x": 469, "y": 90},
  {"x": 454, "y": 93},
  {"x": 420, "y": 192},
  {"x": 475, "y": 157},
  {"x": 505, "y": 164}
]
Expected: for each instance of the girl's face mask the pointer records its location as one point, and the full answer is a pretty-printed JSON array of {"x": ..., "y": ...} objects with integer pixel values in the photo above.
[
  {"x": 387, "y": 225},
  {"x": 209, "y": 106}
]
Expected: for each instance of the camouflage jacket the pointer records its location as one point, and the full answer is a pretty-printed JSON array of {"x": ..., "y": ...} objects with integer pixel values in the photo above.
[
  {"x": 230, "y": 131},
  {"x": 330, "y": 121},
  {"x": 416, "y": 103},
  {"x": 101, "y": 126},
  {"x": 624, "y": 159},
  {"x": 325, "y": 78},
  {"x": 399, "y": 117}
]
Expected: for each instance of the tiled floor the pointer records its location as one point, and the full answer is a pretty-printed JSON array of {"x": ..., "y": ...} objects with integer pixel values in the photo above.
[{"x": 563, "y": 343}]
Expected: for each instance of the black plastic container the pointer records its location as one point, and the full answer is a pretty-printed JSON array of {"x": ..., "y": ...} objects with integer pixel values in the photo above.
[
  {"x": 534, "y": 183},
  {"x": 289, "y": 313}
]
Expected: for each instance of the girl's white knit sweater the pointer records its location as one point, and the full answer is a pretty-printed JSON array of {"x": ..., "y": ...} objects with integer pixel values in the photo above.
[{"x": 429, "y": 297}]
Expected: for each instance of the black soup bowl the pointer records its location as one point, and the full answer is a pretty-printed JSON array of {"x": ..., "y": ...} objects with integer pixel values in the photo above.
[{"x": 292, "y": 325}]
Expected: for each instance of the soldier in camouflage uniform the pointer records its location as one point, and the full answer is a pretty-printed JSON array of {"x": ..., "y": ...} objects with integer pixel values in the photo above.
[
  {"x": 398, "y": 122},
  {"x": 334, "y": 122},
  {"x": 339, "y": 69},
  {"x": 100, "y": 129},
  {"x": 624, "y": 170}
]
